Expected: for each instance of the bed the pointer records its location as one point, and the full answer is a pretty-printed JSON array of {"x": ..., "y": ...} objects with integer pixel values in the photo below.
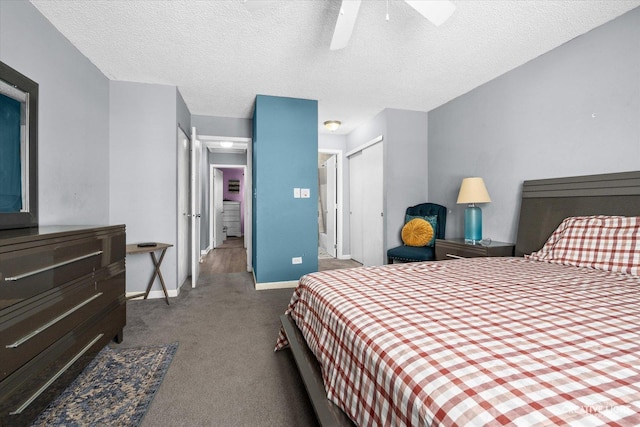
[{"x": 550, "y": 338}]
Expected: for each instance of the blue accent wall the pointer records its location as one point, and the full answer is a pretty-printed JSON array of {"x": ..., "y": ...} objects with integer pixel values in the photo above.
[{"x": 285, "y": 156}]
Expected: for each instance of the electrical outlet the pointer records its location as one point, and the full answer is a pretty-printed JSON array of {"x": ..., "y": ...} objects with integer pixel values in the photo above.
[
  {"x": 296, "y": 260},
  {"x": 305, "y": 193}
]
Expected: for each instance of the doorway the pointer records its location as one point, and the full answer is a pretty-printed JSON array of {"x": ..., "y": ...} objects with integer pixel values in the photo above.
[
  {"x": 216, "y": 226},
  {"x": 228, "y": 203},
  {"x": 330, "y": 204},
  {"x": 228, "y": 153}
]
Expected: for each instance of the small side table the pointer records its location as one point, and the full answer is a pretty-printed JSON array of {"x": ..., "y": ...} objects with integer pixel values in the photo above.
[
  {"x": 457, "y": 248},
  {"x": 135, "y": 249}
]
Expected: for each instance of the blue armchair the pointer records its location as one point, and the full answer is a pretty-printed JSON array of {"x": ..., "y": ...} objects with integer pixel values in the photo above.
[{"x": 406, "y": 253}]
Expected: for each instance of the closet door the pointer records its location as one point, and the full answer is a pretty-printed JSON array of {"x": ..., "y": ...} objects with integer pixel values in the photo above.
[
  {"x": 356, "y": 196},
  {"x": 366, "y": 205},
  {"x": 372, "y": 218}
]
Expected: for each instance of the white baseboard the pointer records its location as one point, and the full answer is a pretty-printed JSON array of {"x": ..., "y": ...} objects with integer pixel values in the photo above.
[
  {"x": 343, "y": 256},
  {"x": 274, "y": 285},
  {"x": 153, "y": 294}
]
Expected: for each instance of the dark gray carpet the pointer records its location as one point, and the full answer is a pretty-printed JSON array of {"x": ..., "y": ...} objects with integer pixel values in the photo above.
[{"x": 224, "y": 372}]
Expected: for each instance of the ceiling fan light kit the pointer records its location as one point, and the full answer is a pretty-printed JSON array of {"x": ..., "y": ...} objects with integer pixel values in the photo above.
[
  {"x": 344, "y": 25},
  {"x": 436, "y": 11}
]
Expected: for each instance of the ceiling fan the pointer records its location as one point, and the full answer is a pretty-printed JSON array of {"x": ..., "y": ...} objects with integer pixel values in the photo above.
[{"x": 436, "y": 11}]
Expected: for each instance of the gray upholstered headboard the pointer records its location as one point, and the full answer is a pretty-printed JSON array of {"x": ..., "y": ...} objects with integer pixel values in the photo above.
[{"x": 546, "y": 202}]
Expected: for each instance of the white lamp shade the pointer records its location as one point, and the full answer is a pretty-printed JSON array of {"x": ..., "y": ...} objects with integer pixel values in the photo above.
[{"x": 473, "y": 190}]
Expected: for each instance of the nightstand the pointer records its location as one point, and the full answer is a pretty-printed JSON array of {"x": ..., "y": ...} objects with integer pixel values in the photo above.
[{"x": 457, "y": 248}]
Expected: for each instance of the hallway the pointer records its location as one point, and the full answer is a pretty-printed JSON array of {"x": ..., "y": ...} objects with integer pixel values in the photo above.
[{"x": 231, "y": 257}]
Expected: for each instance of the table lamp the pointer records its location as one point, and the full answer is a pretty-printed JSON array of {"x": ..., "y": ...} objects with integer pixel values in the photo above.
[{"x": 473, "y": 191}]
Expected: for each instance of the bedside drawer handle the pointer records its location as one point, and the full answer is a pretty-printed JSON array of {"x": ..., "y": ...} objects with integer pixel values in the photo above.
[
  {"x": 51, "y": 267},
  {"x": 53, "y": 321},
  {"x": 454, "y": 256},
  {"x": 35, "y": 395}
]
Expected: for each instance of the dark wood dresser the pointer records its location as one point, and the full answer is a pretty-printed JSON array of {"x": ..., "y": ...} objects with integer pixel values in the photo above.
[{"x": 62, "y": 299}]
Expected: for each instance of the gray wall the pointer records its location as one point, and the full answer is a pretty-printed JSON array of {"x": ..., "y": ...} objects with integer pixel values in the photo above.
[
  {"x": 227, "y": 158},
  {"x": 404, "y": 164},
  {"x": 183, "y": 116},
  {"x": 222, "y": 126},
  {"x": 73, "y": 146},
  {"x": 143, "y": 174},
  {"x": 572, "y": 111},
  {"x": 405, "y": 168}
]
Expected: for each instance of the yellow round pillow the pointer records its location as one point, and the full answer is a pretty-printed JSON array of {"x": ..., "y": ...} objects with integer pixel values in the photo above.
[{"x": 417, "y": 232}]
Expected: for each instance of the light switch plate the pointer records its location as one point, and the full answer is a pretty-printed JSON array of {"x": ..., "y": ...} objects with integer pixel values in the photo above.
[{"x": 296, "y": 193}]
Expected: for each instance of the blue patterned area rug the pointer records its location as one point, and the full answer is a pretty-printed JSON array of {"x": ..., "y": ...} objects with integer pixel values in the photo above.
[{"x": 115, "y": 389}]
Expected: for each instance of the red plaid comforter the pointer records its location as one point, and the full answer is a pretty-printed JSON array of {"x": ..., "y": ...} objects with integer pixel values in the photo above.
[{"x": 483, "y": 341}]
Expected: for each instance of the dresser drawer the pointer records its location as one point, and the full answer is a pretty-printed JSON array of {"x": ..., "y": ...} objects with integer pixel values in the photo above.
[
  {"x": 444, "y": 251},
  {"x": 25, "y": 393},
  {"x": 457, "y": 248},
  {"x": 31, "y": 271},
  {"x": 27, "y": 328}
]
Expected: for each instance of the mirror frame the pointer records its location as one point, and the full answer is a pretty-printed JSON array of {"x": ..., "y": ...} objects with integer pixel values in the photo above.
[{"x": 25, "y": 219}]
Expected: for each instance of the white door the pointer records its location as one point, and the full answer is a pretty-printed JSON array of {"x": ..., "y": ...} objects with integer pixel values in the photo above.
[
  {"x": 182, "y": 247},
  {"x": 332, "y": 207},
  {"x": 372, "y": 220},
  {"x": 196, "y": 153},
  {"x": 218, "y": 207},
  {"x": 356, "y": 184},
  {"x": 367, "y": 205}
]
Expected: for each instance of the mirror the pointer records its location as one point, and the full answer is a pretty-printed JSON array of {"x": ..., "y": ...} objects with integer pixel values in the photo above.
[{"x": 18, "y": 149}]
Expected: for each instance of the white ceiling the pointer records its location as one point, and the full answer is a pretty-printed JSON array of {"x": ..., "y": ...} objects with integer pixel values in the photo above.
[{"x": 220, "y": 54}]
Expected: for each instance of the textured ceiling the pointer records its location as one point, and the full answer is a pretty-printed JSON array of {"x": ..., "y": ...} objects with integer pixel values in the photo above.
[{"x": 220, "y": 54}]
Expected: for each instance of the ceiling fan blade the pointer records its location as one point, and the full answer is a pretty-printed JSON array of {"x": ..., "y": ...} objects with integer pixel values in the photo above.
[
  {"x": 436, "y": 11},
  {"x": 344, "y": 24}
]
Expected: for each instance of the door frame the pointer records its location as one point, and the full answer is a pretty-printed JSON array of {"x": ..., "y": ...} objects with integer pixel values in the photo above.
[
  {"x": 195, "y": 185},
  {"x": 213, "y": 166},
  {"x": 340, "y": 199},
  {"x": 248, "y": 190},
  {"x": 248, "y": 187},
  {"x": 212, "y": 215}
]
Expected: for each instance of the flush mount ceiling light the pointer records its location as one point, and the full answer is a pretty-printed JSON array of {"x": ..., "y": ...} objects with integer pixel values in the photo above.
[
  {"x": 332, "y": 124},
  {"x": 226, "y": 144}
]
